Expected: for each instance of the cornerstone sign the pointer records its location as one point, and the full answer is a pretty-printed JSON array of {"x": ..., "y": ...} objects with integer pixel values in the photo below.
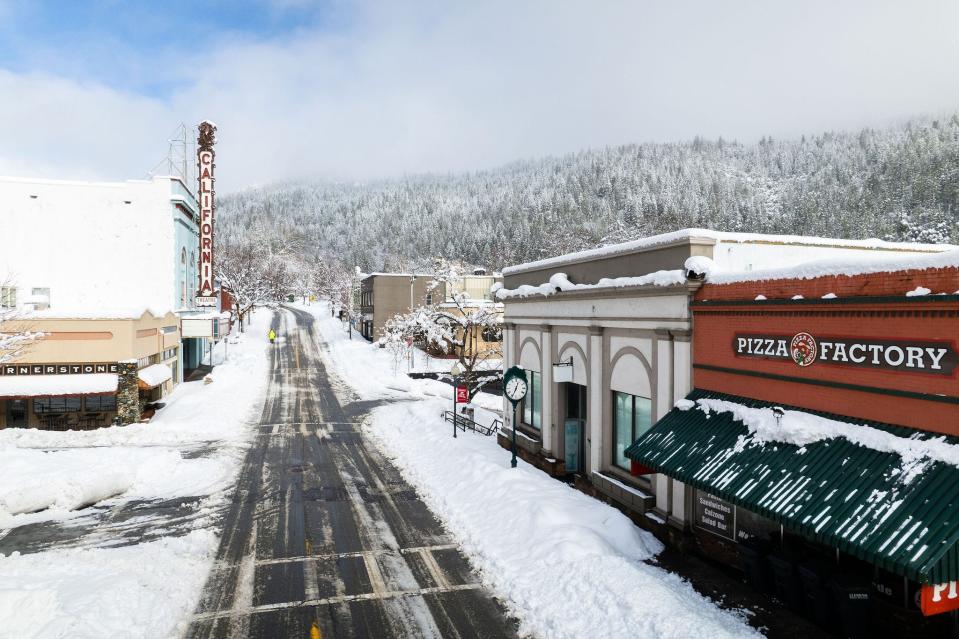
[
  {"x": 205, "y": 156},
  {"x": 58, "y": 369},
  {"x": 804, "y": 349}
]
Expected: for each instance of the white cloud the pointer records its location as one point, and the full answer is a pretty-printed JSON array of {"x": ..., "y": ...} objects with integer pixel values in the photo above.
[{"x": 453, "y": 86}]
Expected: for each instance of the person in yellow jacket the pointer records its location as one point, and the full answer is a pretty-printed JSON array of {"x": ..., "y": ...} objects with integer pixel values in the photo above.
[{"x": 271, "y": 335}]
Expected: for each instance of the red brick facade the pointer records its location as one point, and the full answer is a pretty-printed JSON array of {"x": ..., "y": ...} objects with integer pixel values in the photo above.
[{"x": 868, "y": 309}]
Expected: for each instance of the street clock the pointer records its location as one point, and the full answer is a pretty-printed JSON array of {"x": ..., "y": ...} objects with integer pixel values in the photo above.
[{"x": 515, "y": 387}]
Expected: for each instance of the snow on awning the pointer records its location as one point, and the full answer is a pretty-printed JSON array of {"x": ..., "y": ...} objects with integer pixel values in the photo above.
[
  {"x": 885, "y": 494},
  {"x": 153, "y": 376},
  {"x": 57, "y": 385}
]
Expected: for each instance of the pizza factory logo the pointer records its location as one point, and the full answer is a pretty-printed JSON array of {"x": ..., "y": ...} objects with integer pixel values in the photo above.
[
  {"x": 803, "y": 349},
  {"x": 932, "y": 357}
]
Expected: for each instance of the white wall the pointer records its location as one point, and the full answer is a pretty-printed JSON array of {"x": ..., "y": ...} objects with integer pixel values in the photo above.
[{"x": 87, "y": 245}]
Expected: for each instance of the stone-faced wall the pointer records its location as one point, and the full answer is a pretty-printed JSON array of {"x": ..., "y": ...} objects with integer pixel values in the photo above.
[{"x": 128, "y": 394}]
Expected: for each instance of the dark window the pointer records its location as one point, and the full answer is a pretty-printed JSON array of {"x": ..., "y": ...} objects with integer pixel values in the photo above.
[
  {"x": 44, "y": 405},
  {"x": 493, "y": 334},
  {"x": 533, "y": 403},
  {"x": 100, "y": 403},
  {"x": 632, "y": 417}
]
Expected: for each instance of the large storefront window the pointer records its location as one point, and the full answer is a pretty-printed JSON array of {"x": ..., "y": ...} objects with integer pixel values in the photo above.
[
  {"x": 100, "y": 403},
  {"x": 44, "y": 405},
  {"x": 533, "y": 404},
  {"x": 632, "y": 416}
]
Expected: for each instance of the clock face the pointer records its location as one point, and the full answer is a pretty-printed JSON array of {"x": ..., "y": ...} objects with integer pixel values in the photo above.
[{"x": 516, "y": 389}]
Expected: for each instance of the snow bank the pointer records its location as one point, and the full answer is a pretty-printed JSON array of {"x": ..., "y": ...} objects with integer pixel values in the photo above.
[
  {"x": 800, "y": 429},
  {"x": 558, "y": 283},
  {"x": 566, "y": 564},
  {"x": 147, "y": 590}
]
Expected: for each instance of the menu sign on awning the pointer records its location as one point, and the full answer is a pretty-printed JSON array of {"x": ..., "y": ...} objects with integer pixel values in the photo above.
[{"x": 715, "y": 515}]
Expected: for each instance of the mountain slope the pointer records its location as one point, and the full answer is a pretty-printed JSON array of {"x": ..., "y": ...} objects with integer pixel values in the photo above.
[{"x": 895, "y": 183}]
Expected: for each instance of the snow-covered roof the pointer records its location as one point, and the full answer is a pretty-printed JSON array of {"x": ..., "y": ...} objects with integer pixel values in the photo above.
[
  {"x": 707, "y": 236},
  {"x": 155, "y": 374},
  {"x": 864, "y": 265},
  {"x": 51, "y": 385},
  {"x": 558, "y": 283},
  {"x": 98, "y": 314}
]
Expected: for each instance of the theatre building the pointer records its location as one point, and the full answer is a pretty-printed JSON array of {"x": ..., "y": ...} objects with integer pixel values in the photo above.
[
  {"x": 88, "y": 372},
  {"x": 818, "y": 448}
]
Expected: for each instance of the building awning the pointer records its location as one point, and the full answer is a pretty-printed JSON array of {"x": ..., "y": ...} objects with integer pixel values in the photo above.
[
  {"x": 885, "y": 494},
  {"x": 154, "y": 375},
  {"x": 57, "y": 385}
]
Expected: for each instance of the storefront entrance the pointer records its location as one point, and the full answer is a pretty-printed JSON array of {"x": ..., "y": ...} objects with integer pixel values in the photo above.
[
  {"x": 574, "y": 426},
  {"x": 16, "y": 413}
]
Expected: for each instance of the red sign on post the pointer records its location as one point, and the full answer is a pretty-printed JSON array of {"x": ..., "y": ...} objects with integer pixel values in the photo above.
[
  {"x": 462, "y": 395},
  {"x": 939, "y": 598}
]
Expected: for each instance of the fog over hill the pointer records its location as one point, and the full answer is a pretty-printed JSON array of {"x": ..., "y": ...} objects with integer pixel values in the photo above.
[{"x": 896, "y": 183}]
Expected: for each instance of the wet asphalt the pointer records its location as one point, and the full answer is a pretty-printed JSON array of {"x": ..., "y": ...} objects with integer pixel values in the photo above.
[{"x": 323, "y": 535}]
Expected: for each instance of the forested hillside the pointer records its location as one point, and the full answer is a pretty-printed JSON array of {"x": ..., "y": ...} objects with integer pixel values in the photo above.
[{"x": 896, "y": 183}]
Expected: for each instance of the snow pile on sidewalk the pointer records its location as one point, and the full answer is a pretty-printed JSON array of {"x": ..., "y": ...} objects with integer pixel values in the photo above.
[
  {"x": 130, "y": 591},
  {"x": 565, "y": 564},
  {"x": 192, "y": 448},
  {"x": 568, "y": 565}
]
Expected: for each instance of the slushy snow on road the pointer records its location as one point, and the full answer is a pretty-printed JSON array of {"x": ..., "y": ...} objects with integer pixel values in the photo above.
[
  {"x": 142, "y": 577},
  {"x": 566, "y": 565}
]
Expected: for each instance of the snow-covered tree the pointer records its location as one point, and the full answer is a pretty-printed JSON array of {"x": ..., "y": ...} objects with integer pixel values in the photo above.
[
  {"x": 465, "y": 329},
  {"x": 242, "y": 268},
  {"x": 16, "y": 334}
]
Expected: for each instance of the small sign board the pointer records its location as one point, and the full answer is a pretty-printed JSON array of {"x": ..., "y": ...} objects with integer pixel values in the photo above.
[
  {"x": 205, "y": 300},
  {"x": 939, "y": 598},
  {"x": 462, "y": 395},
  {"x": 715, "y": 515}
]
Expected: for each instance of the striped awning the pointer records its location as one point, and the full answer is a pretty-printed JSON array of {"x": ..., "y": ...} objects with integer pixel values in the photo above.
[{"x": 901, "y": 514}]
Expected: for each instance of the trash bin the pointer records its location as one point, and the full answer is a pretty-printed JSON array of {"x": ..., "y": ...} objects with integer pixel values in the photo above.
[
  {"x": 785, "y": 581},
  {"x": 752, "y": 561},
  {"x": 814, "y": 578},
  {"x": 851, "y": 594}
]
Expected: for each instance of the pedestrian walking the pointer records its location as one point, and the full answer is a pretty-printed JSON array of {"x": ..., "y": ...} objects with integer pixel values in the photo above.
[{"x": 271, "y": 335}]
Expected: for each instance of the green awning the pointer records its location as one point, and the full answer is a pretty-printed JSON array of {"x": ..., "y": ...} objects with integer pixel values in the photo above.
[{"x": 902, "y": 515}]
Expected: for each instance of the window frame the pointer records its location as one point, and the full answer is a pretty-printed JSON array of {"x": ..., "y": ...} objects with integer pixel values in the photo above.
[
  {"x": 532, "y": 418},
  {"x": 635, "y": 433}
]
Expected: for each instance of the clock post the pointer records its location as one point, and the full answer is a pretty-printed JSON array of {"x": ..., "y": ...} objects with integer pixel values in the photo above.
[{"x": 515, "y": 386}]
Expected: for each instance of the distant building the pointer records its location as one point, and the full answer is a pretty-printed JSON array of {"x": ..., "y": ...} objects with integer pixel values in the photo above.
[
  {"x": 104, "y": 252},
  {"x": 384, "y": 295}
]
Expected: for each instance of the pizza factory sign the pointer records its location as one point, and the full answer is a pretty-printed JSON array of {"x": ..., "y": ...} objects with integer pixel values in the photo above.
[
  {"x": 58, "y": 369},
  {"x": 205, "y": 156},
  {"x": 805, "y": 349}
]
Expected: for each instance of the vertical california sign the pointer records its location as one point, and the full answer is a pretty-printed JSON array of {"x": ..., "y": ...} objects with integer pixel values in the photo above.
[{"x": 207, "y": 196}]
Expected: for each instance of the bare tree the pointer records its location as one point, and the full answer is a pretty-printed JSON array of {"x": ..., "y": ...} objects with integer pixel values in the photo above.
[
  {"x": 242, "y": 268},
  {"x": 16, "y": 335}
]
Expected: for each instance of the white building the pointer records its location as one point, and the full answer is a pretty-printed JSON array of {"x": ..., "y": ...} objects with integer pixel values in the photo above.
[
  {"x": 116, "y": 248},
  {"x": 604, "y": 336}
]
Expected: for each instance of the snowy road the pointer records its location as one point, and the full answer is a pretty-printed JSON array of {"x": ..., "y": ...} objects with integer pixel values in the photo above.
[{"x": 322, "y": 529}]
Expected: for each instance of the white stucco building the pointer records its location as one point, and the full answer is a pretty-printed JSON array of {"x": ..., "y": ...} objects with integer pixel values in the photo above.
[{"x": 605, "y": 339}]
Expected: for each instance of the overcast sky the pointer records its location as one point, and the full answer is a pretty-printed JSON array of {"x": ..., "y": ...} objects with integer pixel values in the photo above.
[{"x": 359, "y": 90}]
